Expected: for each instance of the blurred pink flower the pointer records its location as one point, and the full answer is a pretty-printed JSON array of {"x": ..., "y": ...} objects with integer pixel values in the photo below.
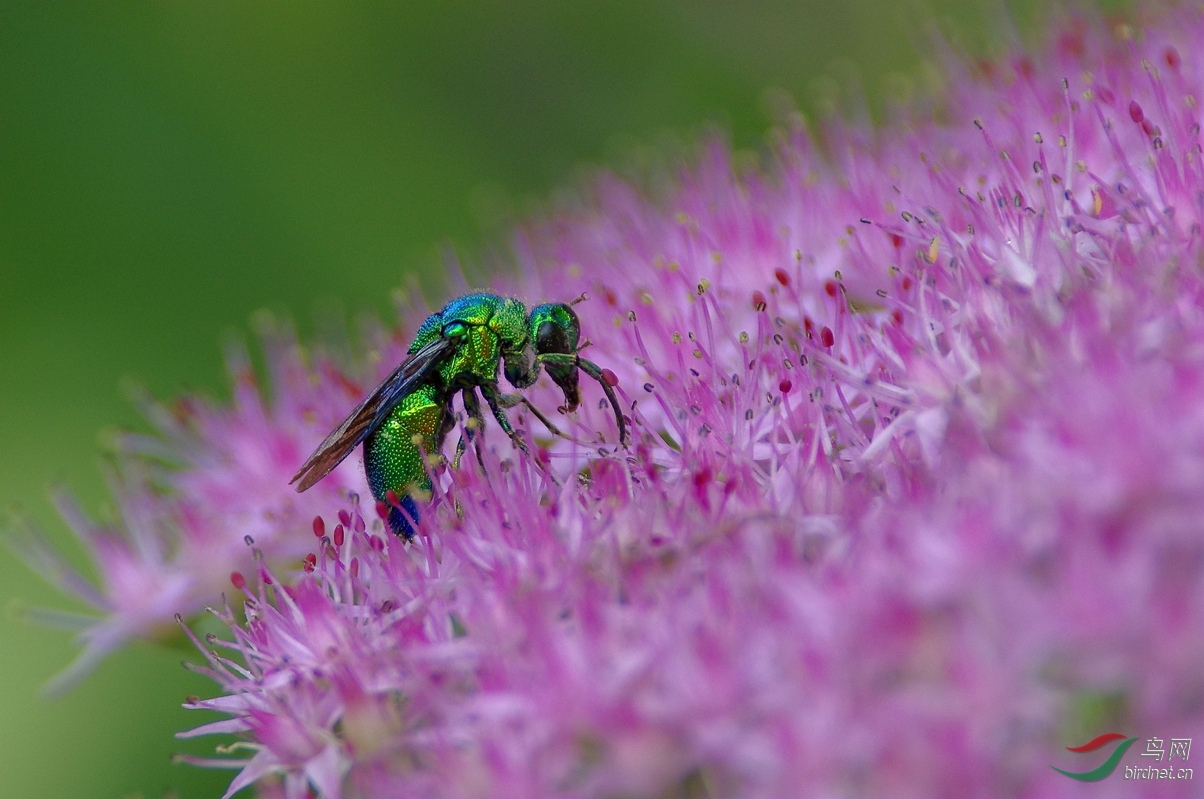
[
  {"x": 188, "y": 497},
  {"x": 915, "y": 496}
]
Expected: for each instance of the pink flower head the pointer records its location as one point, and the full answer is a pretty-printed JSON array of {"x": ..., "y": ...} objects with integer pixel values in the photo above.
[{"x": 913, "y": 499}]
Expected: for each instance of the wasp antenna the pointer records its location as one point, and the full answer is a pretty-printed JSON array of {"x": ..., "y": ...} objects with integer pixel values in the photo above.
[
  {"x": 593, "y": 370},
  {"x": 580, "y": 298}
]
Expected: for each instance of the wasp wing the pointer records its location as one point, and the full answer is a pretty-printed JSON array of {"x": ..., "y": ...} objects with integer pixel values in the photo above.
[{"x": 371, "y": 412}]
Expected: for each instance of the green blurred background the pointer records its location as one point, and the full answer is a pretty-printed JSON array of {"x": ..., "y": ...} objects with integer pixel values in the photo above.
[{"x": 167, "y": 168}]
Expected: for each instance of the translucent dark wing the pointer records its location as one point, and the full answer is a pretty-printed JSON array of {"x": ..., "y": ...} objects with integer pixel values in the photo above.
[{"x": 371, "y": 412}]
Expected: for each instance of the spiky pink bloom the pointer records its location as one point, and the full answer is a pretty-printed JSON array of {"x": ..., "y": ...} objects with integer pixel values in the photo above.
[{"x": 916, "y": 485}]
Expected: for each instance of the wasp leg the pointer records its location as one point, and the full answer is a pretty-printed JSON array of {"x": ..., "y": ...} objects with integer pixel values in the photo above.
[
  {"x": 593, "y": 370},
  {"x": 497, "y": 401},
  {"x": 511, "y": 400},
  {"x": 493, "y": 398},
  {"x": 474, "y": 424}
]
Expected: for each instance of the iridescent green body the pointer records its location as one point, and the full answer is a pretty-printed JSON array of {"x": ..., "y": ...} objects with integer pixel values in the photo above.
[
  {"x": 458, "y": 350},
  {"x": 393, "y": 455},
  {"x": 485, "y": 328}
]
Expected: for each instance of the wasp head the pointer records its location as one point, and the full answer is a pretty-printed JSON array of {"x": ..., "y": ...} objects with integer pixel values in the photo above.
[{"x": 555, "y": 330}]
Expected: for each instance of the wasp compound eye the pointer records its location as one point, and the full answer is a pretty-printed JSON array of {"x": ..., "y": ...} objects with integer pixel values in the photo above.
[
  {"x": 551, "y": 337},
  {"x": 555, "y": 328}
]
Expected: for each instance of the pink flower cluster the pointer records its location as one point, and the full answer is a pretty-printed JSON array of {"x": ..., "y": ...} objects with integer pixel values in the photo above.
[{"x": 915, "y": 497}]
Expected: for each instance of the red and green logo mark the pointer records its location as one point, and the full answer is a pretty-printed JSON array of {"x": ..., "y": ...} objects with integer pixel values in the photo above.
[{"x": 1105, "y": 768}]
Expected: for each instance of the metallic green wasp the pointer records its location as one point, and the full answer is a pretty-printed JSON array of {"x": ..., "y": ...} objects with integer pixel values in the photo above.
[{"x": 457, "y": 351}]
